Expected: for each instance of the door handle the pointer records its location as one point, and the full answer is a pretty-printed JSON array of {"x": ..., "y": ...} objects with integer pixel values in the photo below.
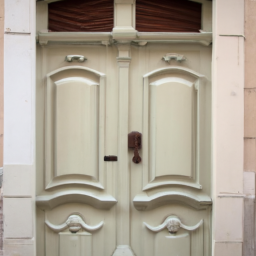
[{"x": 134, "y": 142}]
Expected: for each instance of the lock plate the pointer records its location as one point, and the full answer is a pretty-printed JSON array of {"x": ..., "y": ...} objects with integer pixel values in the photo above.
[{"x": 131, "y": 139}]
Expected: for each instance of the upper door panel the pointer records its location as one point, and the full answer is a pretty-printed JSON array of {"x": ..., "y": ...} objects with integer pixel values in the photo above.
[
  {"x": 75, "y": 106},
  {"x": 171, "y": 118}
]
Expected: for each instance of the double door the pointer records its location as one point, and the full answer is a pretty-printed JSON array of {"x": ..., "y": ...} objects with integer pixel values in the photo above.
[{"x": 89, "y": 98}]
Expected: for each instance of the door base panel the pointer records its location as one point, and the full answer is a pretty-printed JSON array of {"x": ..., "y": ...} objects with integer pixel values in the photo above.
[{"x": 123, "y": 250}]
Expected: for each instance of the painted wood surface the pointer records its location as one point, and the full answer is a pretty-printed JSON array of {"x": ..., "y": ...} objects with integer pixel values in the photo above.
[
  {"x": 117, "y": 197},
  {"x": 169, "y": 102}
]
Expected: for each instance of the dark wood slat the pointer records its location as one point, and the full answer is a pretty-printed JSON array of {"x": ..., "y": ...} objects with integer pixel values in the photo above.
[
  {"x": 81, "y": 16},
  {"x": 168, "y": 16},
  {"x": 151, "y": 16}
]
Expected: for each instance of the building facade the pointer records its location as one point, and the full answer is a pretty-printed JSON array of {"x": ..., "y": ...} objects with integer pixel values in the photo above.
[{"x": 124, "y": 208}]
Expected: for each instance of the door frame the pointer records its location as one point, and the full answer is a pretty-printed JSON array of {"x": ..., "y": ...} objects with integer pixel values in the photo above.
[{"x": 20, "y": 127}]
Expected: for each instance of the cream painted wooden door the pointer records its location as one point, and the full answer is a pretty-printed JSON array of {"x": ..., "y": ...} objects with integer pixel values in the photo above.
[
  {"x": 85, "y": 112},
  {"x": 92, "y": 90},
  {"x": 76, "y": 127},
  {"x": 171, "y": 107}
]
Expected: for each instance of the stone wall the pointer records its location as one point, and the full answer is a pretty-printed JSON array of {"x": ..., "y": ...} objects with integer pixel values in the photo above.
[
  {"x": 1, "y": 114},
  {"x": 249, "y": 128}
]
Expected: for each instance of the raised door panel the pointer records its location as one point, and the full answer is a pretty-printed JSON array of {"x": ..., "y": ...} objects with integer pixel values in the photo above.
[
  {"x": 75, "y": 244},
  {"x": 167, "y": 245},
  {"x": 189, "y": 236},
  {"x": 171, "y": 127},
  {"x": 77, "y": 230},
  {"x": 76, "y": 127},
  {"x": 172, "y": 120}
]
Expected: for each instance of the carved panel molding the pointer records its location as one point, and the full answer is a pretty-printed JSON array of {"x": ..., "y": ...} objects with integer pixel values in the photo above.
[
  {"x": 197, "y": 200},
  {"x": 181, "y": 240},
  {"x": 74, "y": 223},
  {"x": 173, "y": 56},
  {"x": 74, "y": 139},
  {"x": 175, "y": 89},
  {"x": 77, "y": 240},
  {"x": 74, "y": 149},
  {"x": 173, "y": 224}
]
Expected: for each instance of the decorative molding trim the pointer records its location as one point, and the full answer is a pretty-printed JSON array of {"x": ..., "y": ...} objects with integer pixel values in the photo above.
[
  {"x": 139, "y": 43},
  {"x": 79, "y": 58},
  {"x": 226, "y": 195},
  {"x": 143, "y": 202},
  {"x": 103, "y": 201},
  {"x": 74, "y": 37},
  {"x": 171, "y": 80},
  {"x": 123, "y": 221},
  {"x": 229, "y": 242},
  {"x": 128, "y": 59},
  {"x": 74, "y": 223},
  {"x": 75, "y": 79},
  {"x": 75, "y": 67},
  {"x": 234, "y": 36},
  {"x": 162, "y": 37},
  {"x": 173, "y": 56},
  {"x": 173, "y": 224},
  {"x": 72, "y": 179},
  {"x": 123, "y": 33},
  {"x": 155, "y": 184},
  {"x": 175, "y": 68}
]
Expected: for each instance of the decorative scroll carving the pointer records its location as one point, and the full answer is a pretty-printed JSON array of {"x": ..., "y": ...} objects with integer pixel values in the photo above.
[
  {"x": 74, "y": 223},
  {"x": 173, "y": 56},
  {"x": 173, "y": 224},
  {"x": 79, "y": 58}
]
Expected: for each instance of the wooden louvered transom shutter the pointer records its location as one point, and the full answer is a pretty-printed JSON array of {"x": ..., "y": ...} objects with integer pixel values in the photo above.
[
  {"x": 151, "y": 16},
  {"x": 81, "y": 16},
  {"x": 168, "y": 16}
]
